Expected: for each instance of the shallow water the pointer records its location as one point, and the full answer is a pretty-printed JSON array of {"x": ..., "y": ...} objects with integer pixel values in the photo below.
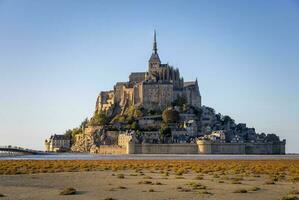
[{"x": 83, "y": 156}]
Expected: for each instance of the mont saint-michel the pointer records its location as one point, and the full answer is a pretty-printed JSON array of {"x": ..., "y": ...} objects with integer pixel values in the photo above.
[{"x": 158, "y": 112}]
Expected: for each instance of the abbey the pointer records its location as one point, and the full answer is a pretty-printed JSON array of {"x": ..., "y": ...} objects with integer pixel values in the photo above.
[
  {"x": 155, "y": 89},
  {"x": 158, "y": 112}
]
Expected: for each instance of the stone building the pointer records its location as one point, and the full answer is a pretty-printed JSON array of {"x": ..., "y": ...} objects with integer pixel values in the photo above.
[
  {"x": 155, "y": 89},
  {"x": 58, "y": 143}
]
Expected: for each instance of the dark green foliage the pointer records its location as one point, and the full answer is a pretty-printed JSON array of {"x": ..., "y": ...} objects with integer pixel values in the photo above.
[
  {"x": 180, "y": 101},
  {"x": 99, "y": 119},
  {"x": 68, "y": 191},
  {"x": 170, "y": 116},
  {"x": 165, "y": 132}
]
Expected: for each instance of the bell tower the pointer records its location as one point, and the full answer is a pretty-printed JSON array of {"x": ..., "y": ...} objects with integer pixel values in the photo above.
[{"x": 154, "y": 61}]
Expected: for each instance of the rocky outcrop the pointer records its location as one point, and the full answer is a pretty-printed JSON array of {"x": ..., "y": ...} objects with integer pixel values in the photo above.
[{"x": 93, "y": 136}]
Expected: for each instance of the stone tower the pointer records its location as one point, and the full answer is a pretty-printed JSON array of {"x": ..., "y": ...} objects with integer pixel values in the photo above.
[{"x": 154, "y": 61}]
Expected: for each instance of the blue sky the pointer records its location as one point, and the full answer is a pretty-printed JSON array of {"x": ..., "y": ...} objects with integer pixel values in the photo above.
[{"x": 56, "y": 56}]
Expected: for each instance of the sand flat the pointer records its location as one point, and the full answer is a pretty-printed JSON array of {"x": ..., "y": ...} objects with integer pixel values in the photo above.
[{"x": 102, "y": 184}]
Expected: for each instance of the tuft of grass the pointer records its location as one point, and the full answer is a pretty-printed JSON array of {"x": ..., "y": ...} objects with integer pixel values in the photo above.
[
  {"x": 185, "y": 190},
  {"x": 147, "y": 177},
  {"x": 196, "y": 186},
  {"x": 240, "y": 191},
  {"x": 289, "y": 197},
  {"x": 145, "y": 182},
  {"x": 179, "y": 177},
  {"x": 220, "y": 181},
  {"x": 2, "y": 195},
  {"x": 294, "y": 192},
  {"x": 216, "y": 176},
  {"x": 120, "y": 176},
  {"x": 255, "y": 189},
  {"x": 204, "y": 192},
  {"x": 236, "y": 182},
  {"x": 109, "y": 198},
  {"x": 198, "y": 177},
  {"x": 68, "y": 191},
  {"x": 151, "y": 190},
  {"x": 122, "y": 187},
  {"x": 269, "y": 182}
]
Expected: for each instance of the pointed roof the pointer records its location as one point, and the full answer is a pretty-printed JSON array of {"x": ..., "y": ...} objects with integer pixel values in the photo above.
[{"x": 155, "y": 57}]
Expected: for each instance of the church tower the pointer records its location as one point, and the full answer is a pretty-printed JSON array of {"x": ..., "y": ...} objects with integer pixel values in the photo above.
[{"x": 154, "y": 61}]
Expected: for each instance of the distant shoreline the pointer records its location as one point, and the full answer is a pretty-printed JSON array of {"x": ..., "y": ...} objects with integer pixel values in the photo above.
[{"x": 86, "y": 156}]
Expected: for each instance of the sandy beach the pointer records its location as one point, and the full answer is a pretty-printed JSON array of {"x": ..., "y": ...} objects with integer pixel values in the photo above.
[{"x": 128, "y": 184}]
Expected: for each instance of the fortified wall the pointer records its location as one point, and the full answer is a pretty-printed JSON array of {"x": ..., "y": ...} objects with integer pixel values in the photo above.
[{"x": 201, "y": 147}]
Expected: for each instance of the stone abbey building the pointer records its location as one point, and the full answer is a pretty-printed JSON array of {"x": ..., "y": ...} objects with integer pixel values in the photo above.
[
  {"x": 155, "y": 89},
  {"x": 158, "y": 112}
]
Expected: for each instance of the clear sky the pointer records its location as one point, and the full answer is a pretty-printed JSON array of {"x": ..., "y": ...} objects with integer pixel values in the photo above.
[{"x": 56, "y": 56}]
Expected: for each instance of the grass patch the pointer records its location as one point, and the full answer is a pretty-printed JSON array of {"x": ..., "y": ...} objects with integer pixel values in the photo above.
[
  {"x": 151, "y": 190},
  {"x": 121, "y": 176},
  {"x": 204, "y": 192},
  {"x": 198, "y": 177},
  {"x": 236, "y": 182},
  {"x": 240, "y": 191},
  {"x": 289, "y": 197},
  {"x": 68, "y": 191},
  {"x": 294, "y": 192},
  {"x": 255, "y": 189},
  {"x": 269, "y": 182},
  {"x": 145, "y": 182},
  {"x": 196, "y": 186}
]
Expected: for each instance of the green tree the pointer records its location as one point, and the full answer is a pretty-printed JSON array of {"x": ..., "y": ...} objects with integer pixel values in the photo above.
[
  {"x": 165, "y": 132},
  {"x": 135, "y": 126},
  {"x": 99, "y": 119},
  {"x": 170, "y": 116},
  {"x": 84, "y": 123}
]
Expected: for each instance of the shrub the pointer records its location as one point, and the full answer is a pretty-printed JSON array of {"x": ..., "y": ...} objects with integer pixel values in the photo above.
[
  {"x": 295, "y": 192},
  {"x": 198, "y": 177},
  {"x": 68, "y": 191},
  {"x": 289, "y": 198},
  {"x": 145, "y": 182},
  {"x": 236, "y": 182},
  {"x": 255, "y": 189},
  {"x": 120, "y": 176},
  {"x": 204, "y": 192},
  {"x": 240, "y": 191},
  {"x": 196, "y": 186}
]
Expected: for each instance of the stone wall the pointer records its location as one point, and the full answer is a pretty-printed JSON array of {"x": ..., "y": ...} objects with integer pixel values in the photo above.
[
  {"x": 163, "y": 149},
  {"x": 208, "y": 147},
  {"x": 110, "y": 149},
  {"x": 201, "y": 147}
]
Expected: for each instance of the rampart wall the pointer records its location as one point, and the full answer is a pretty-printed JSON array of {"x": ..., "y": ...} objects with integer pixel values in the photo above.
[{"x": 201, "y": 147}]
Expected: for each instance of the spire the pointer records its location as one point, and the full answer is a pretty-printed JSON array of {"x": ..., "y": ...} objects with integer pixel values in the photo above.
[{"x": 155, "y": 49}]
